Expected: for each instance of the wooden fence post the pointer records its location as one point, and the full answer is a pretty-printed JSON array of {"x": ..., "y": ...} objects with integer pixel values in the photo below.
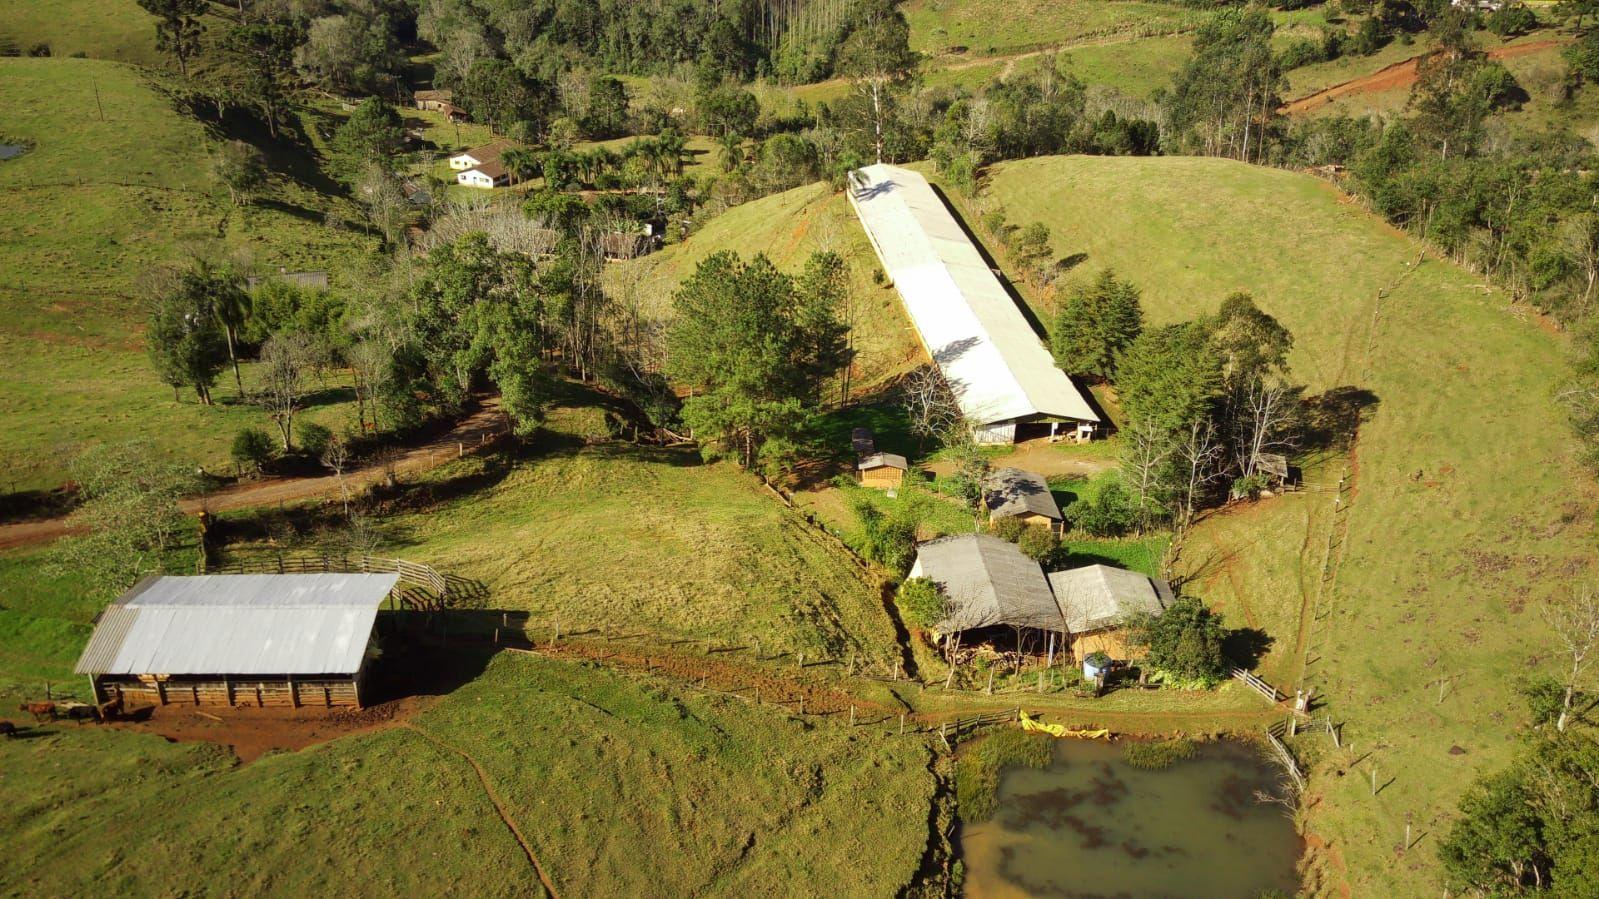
[
  {"x": 991, "y": 681},
  {"x": 852, "y": 714},
  {"x": 902, "y": 724}
]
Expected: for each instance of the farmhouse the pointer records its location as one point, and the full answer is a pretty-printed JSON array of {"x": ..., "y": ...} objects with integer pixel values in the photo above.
[
  {"x": 987, "y": 582},
  {"x": 1003, "y": 378},
  {"x": 488, "y": 175},
  {"x": 239, "y": 639},
  {"x": 434, "y": 101},
  {"x": 1096, "y": 600},
  {"x": 477, "y": 156},
  {"x": 1023, "y": 495},
  {"x": 884, "y": 471}
]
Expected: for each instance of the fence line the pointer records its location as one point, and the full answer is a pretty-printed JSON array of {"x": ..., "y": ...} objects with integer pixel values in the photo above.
[
  {"x": 414, "y": 573},
  {"x": 1287, "y": 759},
  {"x": 1267, "y": 690}
]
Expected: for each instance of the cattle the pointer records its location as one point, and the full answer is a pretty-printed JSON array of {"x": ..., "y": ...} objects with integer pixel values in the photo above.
[
  {"x": 78, "y": 711},
  {"x": 8, "y": 730},
  {"x": 109, "y": 710},
  {"x": 41, "y": 711}
]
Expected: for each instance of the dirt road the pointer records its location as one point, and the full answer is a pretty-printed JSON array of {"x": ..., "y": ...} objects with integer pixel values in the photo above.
[
  {"x": 1398, "y": 76},
  {"x": 471, "y": 433}
]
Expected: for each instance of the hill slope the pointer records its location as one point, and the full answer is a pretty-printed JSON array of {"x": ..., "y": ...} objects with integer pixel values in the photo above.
[
  {"x": 1464, "y": 509},
  {"x": 116, "y": 182}
]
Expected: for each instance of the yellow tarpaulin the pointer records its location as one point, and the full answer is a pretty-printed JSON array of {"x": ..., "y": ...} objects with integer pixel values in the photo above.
[{"x": 1033, "y": 725}]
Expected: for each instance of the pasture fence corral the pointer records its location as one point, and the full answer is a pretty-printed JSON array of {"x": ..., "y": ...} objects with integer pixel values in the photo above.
[
  {"x": 1280, "y": 750},
  {"x": 413, "y": 574},
  {"x": 1272, "y": 694}
]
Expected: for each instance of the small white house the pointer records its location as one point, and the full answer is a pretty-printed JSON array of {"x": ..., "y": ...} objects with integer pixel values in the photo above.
[
  {"x": 477, "y": 156},
  {"x": 486, "y": 176}
]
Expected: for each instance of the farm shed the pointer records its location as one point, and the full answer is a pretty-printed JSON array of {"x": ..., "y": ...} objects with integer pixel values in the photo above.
[
  {"x": 477, "y": 156},
  {"x": 987, "y": 582},
  {"x": 884, "y": 471},
  {"x": 435, "y": 101},
  {"x": 237, "y": 639},
  {"x": 1013, "y": 493},
  {"x": 1003, "y": 378},
  {"x": 1096, "y": 600},
  {"x": 488, "y": 175}
]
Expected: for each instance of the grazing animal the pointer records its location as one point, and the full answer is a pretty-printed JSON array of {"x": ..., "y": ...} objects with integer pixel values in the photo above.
[
  {"x": 7, "y": 730},
  {"x": 77, "y": 711},
  {"x": 109, "y": 710},
  {"x": 41, "y": 711}
]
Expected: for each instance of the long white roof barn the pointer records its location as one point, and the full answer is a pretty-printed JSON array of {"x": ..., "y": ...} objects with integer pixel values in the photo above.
[
  {"x": 267, "y": 624},
  {"x": 987, "y": 351}
]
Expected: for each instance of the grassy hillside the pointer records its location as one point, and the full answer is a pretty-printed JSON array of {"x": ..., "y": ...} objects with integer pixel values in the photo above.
[
  {"x": 789, "y": 227},
  {"x": 109, "y": 190},
  {"x": 620, "y": 786},
  {"x": 995, "y": 27},
  {"x": 100, "y": 29},
  {"x": 1465, "y": 509},
  {"x": 622, "y": 538}
]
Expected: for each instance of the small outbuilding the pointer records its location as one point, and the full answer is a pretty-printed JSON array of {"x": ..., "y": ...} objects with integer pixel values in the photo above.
[
  {"x": 239, "y": 639},
  {"x": 1024, "y": 495},
  {"x": 987, "y": 583},
  {"x": 433, "y": 100},
  {"x": 1097, "y": 601},
  {"x": 884, "y": 471}
]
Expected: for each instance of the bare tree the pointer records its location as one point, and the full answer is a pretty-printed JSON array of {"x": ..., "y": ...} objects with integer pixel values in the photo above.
[
  {"x": 336, "y": 458},
  {"x": 286, "y": 359},
  {"x": 1575, "y": 620},
  {"x": 1580, "y": 236},
  {"x": 369, "y": 364},
  {"x": 929, "y": 403},
  {"x": 1198, "y": 454},
  {"x": 1262, "y": 416},
  {"x": 1145, "y": 466}
]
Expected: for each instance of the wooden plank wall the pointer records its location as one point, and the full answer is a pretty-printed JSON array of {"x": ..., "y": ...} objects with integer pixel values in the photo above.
[{"x": 310, "y": 692}]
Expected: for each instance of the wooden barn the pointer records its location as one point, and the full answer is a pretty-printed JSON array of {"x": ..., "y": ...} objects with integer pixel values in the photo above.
[
  {"x": 1097, "y": 600},
  {"x": 237, "y": 639},
  {"x": 1023, "y": 495},
  {"x": 883, "y": 471}
]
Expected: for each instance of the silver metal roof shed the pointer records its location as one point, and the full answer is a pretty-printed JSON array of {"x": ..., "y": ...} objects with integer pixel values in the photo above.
[
  {"x": 246, "y": 624},
  {"x": 1099, "y": 596},
  {"x": 987, "y": 581},
  {"x": 1012, "y": 491},
  {"x": 985, "y": 348}
]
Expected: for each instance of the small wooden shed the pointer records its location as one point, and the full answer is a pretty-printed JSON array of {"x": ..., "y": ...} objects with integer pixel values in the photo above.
[
  {"x": 1097, "y": 600},
  {"x": 237, "y": 639},
  {"x": 883, "y": 471},
  {"x": 1023, "y": 495},
  {"x": 433, "y": 100}
]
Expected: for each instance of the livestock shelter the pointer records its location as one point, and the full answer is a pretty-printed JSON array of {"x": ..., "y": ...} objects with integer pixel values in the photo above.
[
  {"x": 883, "y": 471},
  {"x": 1097, "y": 600},
  {"x": 238, "y": 639},
  {"x": 987, "y": 583},
  {"x": 1004, "y": 380},
  {"x": 1023, "y": 495}
]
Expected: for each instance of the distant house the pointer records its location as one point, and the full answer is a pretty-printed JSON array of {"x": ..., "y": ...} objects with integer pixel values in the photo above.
[
  {"x": 487, "y": 175},
  {"x": 1024, "y": 495},
  {"x": 434, "y": 100},
  {"x": 477, "y": 156},
  {"x": 1097, "y": 600},
  {"x": 619, "y": 246},
  {"x": 883, "y": 471},
  {"x": 311, "y": 280},
  {"x": 241, "y": 639},
  {"x": 987, "y": 582}
]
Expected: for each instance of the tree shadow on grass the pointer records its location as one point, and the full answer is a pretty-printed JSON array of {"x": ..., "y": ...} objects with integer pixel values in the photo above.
[
  {"x": 1331, "y": 417},
  {"x": 1246, "y": 646}
]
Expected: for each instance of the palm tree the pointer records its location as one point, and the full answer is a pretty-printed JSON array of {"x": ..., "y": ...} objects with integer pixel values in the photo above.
[
  {"x": 732, "y": 151},
  {"x": 672, "y": 144},
  {"x": 520, "y": 163}
]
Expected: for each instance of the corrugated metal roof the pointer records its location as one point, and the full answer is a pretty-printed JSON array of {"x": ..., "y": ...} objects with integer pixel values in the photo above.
[
  {"x": 987, "y": 351},
  {"x": 987, "y": 581},
  {"x": 1011, "y": 491},
  {"x": 883, "y": 460},
  {"x": 238, "y": 624},
  {"x": 1099, "y": 596}
]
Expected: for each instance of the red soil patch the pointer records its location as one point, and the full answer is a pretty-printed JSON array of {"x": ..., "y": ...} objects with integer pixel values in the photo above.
[
  {"x": 1397, "y": 76},
  {"x": 253, "y": 732}
]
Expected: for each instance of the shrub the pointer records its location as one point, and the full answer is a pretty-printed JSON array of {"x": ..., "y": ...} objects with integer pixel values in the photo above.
[
  {"x": 977, "y": 772},
  {"x": 252, "y": 448},
  {"x": 1155, "y": 756},
  {"x": 1039, "y": 544},
  {"x": 1545, "y": 697},
  {"x": 1010, "y": 528},
  {"x": 1109, "y": 513},
  {"x": 920, "y": 602},
  {"x": 1184, "y": 641},
  {"x": 314, "y": 439},
  {"x": 1301, "y": 51}
]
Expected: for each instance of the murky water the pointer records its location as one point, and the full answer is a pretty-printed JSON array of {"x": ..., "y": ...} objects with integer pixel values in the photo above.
[
  {"x": 9, "y": 150},
  {"x": 1090, "y": 825}
]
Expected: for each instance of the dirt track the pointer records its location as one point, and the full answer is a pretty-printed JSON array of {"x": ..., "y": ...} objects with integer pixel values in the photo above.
[
  {"x": 470, "y": 433},
  {"x": 1398, "y": 76}
]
